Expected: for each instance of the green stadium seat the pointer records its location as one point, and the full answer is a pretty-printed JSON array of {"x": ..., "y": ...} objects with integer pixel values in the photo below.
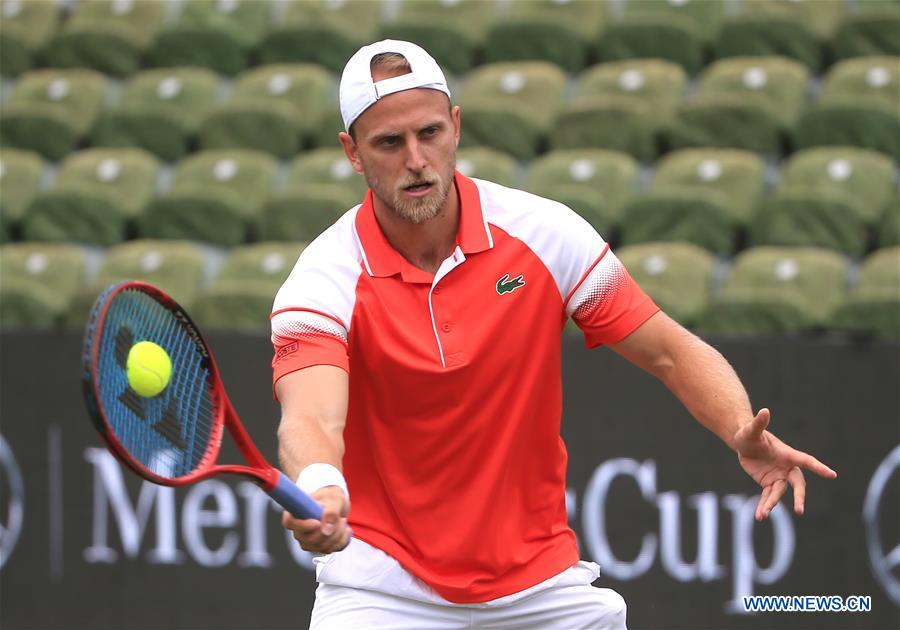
[
  {"x": 731, "y": 179},
  {"x": 749, "y": 103},
  {"x": 25, "y": 29},
  {"x": 766, "y": 36},
  {"x": 674, "y": 38},
  {"x": 97, "y": 197},
  {"x": 872, "y": 31},
  {"x": 563, "y": 33},
  {"x": 38, "y": 282},
  {"x": 175, "y": 267},
  {"x": 821, "y": 16},
  {"x": 487, "y": 164},
  {"x": 214, "y": 34},
  {"x": 889, "y": 226},
  {"x": 705, "y": 15},
  {"x": 772, "y": 290},
  {"x": 110, "y": 36},
  {"x": 623, "y": 106},
  {"x": 275, "y": 109},
  {"x": 451, "y": 30},
  {"x": 863, "y": 121},
  {"x": 241, "y": 296},
  {"x": 20, "y": 180},
  {"x": 877, "y": 76},
  {"x": 160, "y": 111},
  {"x": 50, "y": 111},
  {"x": 320, "y": 31},
  {"x": 829, "y": 197},
  {"x": 864, "y": 180},
  {"x": 873, "y": 307},
  {"x": 511, "y": 106},
  {"x": 216, "y": 197},
  {"x": 677, "y": 276},
  {"x": 321, "y": 186},
  {"x": 593, "y": 182}
]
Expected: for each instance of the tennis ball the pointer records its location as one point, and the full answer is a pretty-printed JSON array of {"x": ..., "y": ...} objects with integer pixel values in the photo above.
[{"x": 148, "y": 368}]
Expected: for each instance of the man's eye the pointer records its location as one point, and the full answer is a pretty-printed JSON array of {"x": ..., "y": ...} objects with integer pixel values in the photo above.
[
  {"x": 429, "y": 131},
  {"x": 388, "y": 142}
]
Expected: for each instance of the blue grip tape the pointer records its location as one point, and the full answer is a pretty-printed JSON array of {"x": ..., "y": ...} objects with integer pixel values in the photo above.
[{"x": 294, "y": 500}]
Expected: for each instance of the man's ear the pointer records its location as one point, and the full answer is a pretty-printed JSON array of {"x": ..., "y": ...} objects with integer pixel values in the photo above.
[
  {"x": 351, "y": 151},
  {"x": 457, "y": 121}
]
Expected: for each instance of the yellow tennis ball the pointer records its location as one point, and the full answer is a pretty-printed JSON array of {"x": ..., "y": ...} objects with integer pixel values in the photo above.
[{"x": 148, "y": 367}]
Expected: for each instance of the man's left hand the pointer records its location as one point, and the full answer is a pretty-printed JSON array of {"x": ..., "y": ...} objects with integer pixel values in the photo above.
[{"x": 773, "y": 464}]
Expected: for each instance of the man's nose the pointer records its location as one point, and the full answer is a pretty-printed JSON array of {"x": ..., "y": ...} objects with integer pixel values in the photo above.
[{"x": 415, "y": 157}]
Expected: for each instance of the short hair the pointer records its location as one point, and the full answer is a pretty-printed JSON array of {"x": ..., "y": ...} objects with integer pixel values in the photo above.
[{"x": 390, "y": 63}]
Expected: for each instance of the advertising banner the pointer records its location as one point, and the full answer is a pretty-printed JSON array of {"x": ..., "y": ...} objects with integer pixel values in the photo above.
[{"x": 656, "y": 500}]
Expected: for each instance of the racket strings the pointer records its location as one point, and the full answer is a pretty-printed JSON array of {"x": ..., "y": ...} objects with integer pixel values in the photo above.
[{"x": 169, "y": 433}]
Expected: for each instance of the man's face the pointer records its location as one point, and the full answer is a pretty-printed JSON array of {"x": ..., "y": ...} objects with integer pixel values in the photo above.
[{"x": 406, "y": 149}]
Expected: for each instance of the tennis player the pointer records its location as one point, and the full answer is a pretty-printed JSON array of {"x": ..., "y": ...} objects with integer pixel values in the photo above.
[{"x": 417, "y": 363}]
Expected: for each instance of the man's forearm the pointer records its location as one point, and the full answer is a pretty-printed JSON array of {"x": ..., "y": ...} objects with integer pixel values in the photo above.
[
  {"x": 305, "y": 441},
  {"x": 706, "y": 384}
]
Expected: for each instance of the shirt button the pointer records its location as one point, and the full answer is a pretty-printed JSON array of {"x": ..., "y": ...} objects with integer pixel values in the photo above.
[
  {"x": 446, "y": 327},
  {"x": 436, "y": 290}
]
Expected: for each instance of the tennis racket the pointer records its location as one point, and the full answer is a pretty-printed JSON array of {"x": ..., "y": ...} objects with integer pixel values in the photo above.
[{"x": 172, "y": 438}]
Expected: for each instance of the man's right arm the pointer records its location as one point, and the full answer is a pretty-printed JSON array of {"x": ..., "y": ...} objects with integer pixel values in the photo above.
[{"x": 313, "y": 413}]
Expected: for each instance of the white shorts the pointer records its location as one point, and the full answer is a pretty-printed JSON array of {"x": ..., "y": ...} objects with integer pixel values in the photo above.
[{"x": 363, "y": 587}]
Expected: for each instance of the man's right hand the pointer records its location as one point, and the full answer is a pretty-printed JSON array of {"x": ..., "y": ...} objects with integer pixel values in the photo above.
[{"x": 331, "y": 533}]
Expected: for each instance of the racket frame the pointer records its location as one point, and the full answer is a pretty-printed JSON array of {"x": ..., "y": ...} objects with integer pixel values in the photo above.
[{"x": 257, "y": 467}]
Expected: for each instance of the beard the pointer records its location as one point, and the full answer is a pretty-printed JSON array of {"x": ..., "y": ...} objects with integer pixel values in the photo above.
[{"x": 415, "y": 210}]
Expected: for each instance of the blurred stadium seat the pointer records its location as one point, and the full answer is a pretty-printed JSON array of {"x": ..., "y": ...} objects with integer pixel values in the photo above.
[
  {"x": 452, "y": 30},
  {"x": 871, "y": 31},
  {"x": 50, "y": 111},
  {"x": 25, "y": 28},
  {"x": 160, "y": 111},
  {"x": 828, "y": 197},
  {"x": 702, "y": 196},
  {"x": 797, "y": 30},
  {"x": 677, "y": 276},
  {"x": 97, "y": 197},
  {"x": 563, "y": 33},
  {"x": 744, "y": 103},
  {"x": 487, "y": 164},
  {"x": 320, "y": 187},
  {"x": 110, "y": 36},
  {"x": 593, "y": 182},
  {"x": 214, "y": 34},
  {"x": 20, "y": 179},
  {"x": 729, "y": 178},
  {"x": 874, "y": 306},
  {"x": 859, "y": 105},
  {"x": 38, "y": 282},
  {"x": 320, "y": 31},
  {"x": 175, "y": 267},
  {"x": 511, "y": 106},
  {"x": 772, "y": 290},
  {"x": 623, "y": 105},
  {"x": 241, "y": 296},
  {"x": 216, "y": 197},
  {"x": 272, "y": 108},
  {"x": 664, "y": 35}
]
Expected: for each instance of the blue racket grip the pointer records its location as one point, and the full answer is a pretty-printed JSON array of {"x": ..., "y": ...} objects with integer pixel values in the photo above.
[{"x": 294, "y": 500}]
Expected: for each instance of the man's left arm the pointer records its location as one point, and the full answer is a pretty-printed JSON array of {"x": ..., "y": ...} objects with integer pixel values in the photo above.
[{"x": 711, "y": 391}]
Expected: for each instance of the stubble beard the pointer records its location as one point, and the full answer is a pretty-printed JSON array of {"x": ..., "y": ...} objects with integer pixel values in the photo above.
[{"x": 416, "y": 210}]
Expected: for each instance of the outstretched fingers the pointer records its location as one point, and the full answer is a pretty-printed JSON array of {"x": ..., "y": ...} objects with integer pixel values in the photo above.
[
  {"x": 810, "y": 463},
  {"x": 796, "y": 479}
]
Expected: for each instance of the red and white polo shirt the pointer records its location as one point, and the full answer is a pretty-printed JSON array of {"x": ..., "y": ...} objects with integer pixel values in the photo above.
[{"x": 453, "y": 452}]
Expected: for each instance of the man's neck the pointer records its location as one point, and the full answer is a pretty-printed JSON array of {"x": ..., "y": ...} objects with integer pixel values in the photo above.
[{"x": 425, "y": 245}]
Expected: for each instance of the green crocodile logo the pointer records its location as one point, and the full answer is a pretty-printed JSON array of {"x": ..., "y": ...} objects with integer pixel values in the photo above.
[{"x": 505, "y": 285}]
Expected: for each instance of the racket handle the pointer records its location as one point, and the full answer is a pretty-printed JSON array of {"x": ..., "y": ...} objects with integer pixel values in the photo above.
[{"x": 294, "y": 500}]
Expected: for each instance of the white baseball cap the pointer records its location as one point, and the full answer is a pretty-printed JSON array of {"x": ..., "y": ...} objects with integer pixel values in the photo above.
[{"x": 358, "y": 91}]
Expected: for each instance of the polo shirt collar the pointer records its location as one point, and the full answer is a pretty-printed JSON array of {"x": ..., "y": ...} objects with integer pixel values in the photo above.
[{"x": 382, "y": 260}]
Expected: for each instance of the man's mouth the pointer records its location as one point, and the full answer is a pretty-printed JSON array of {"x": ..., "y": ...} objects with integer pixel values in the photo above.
[{"x": 420, "y": 188}]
